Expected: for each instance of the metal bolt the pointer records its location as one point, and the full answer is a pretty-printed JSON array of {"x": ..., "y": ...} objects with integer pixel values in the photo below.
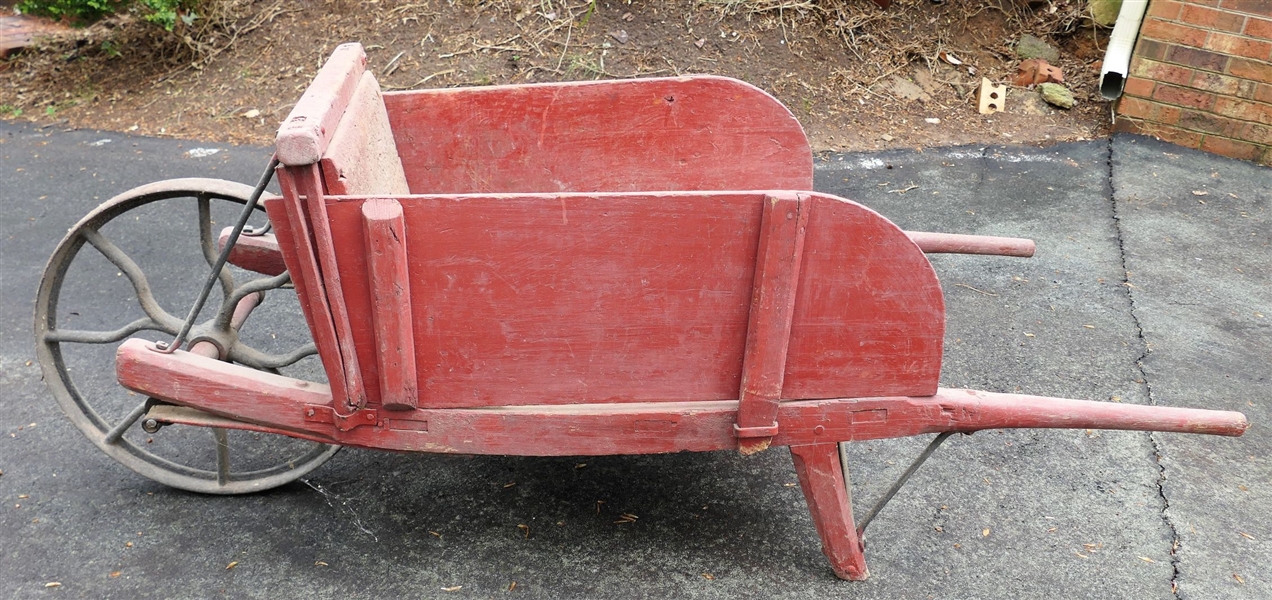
[
  {"x": 370, "y": 416},
  {"x": 161, "y": 345},
  {"x": 150, "y": 426},
  {"x": 310, "y": 412}
]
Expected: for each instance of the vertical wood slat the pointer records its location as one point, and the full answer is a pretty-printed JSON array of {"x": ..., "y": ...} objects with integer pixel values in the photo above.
[
  {"x": 391, "y": 302},
  {"x": 309, "y": 185},
  {"x": 768, "y": 335},
  {"x": 822, "y": 478},
  {"x": 308, "y": 282}
]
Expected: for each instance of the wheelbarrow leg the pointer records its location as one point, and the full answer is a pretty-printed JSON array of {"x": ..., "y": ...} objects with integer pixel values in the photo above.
[{"x": 822, "y": 478}]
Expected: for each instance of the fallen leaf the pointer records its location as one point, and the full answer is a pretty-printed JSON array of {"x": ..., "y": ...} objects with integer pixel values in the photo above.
[
  {"x": 525, "y": 528},
  {"x": 1147, "y": 559},
  {"x": 700, "y": 43},
  {"x": 53, "y": 584},
  {"x": 453, "y": 588},
  {"x": 320, "y": 563},
  {"x": 114, "y": 574},
  {"x": 709, "y": 576},
  {"x": 508, "y": 485},
  {"x": 1238, "y": 578},
  {"x": 985, "y": 532},
  {"x": 950, "y": 58},
  {"x": 512, "y": 586},
  {"x": 1246, "y": 535},
  {"x": 1200, "y": 193},
  {"x": 233, "y": 563},
  {"x": 435, "y": 533},
  {"x": 251, "y": 114}
]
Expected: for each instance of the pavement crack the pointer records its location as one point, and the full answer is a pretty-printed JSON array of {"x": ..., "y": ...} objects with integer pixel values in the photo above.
[{"x": 1145, "y": 350}]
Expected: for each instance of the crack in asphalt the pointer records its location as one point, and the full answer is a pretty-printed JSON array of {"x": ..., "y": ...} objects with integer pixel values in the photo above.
[{"x": 1148, "y": 386}]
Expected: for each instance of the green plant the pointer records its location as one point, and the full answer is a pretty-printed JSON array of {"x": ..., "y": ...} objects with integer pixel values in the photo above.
[
  {"x": 9, "y": 110},
  {"x": 50, "y": 110},
  {"x": 164, "y": 13}
]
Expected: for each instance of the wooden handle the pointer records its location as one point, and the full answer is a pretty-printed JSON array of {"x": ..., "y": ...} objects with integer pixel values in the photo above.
[{"x": 954, "y": 243}]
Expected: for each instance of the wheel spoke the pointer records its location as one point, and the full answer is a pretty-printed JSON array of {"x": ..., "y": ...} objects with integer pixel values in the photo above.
[
  {"x": 118, "y": 431},
  {"x": 145, "y": 297},
  {"x": 105, "y": 337},
  {"x": 246, "y": 355},
  {"x": 222, "y": 456},
  {"x": 226, "y": 312},
  {"x": 208, "y": 244}
]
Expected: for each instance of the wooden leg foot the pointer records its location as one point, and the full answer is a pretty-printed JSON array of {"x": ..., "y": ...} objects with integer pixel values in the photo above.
[{"x": 822, "y": 479}]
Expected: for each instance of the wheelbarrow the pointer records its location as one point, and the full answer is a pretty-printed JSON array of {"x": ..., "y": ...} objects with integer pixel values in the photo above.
[{"x": 612, "y": 267}]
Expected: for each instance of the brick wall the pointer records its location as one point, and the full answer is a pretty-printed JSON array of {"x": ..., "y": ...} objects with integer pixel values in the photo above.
[{"x": 1201, "y": 76}]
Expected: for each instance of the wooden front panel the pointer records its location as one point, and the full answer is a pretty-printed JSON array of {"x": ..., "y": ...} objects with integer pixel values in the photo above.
[
  {"x": 689, "y": 133},
  {"x": 584, "y": 298}
]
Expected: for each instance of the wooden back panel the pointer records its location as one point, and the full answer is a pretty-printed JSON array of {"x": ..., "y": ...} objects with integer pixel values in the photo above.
[
  {"x": 689, "y": 133},
  {"x": 362, "y": 157},
  {"x": 583, "y": 298}
]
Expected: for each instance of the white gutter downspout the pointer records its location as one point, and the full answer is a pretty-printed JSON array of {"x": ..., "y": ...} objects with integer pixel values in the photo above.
[{"x": 1117, "y": 59}]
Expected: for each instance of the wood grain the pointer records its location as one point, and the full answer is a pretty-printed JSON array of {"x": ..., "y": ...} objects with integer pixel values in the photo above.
[
  {"x": 304, "y": 135},
  {"x": 688, "y": 133}
]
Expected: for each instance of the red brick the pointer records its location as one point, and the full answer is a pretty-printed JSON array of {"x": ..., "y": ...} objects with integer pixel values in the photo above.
[
  {"x": 1250, "y": 69},
  {"x": 1164, "y": 9},
  {"x": 1153, "y": 49},
  {"x": 1169, "y": 32},
  {"x": 1264, "y": 93},
  {"x": 1148, "y": 110},
  {"x": 1244, "y": 110},
  {"x": 1127, "y": 125},
  {"x": 1267, "y": 157},
  {"x": 1233, "y": 148},
  {"x": 1150, "y": 69},
  {"x": 1136, "y": 86},
  {"x": 1252, "y": 132},
  {"x": 1173, "y": 135},
  {"x": 1214, "y": 82},
  {"x": 1259, "y": 28},
  {"x": 1239, "y": 46},
  {"x": 1193, "y": 57},
  {"x": 1211, "y": 18},
  {"x": 1206, "y": 122},
  {"x": 1183, "y": 96},
  {"x": 1254, "y": 7}
]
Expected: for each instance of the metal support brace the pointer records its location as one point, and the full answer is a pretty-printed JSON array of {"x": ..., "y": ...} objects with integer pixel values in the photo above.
[{"x": 900, "y": 482}]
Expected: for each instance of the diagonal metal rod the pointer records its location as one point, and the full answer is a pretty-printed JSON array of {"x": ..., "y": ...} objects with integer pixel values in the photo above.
[
  {"x": 892, "y": 491},
  {"x": 221, "y": 260}
]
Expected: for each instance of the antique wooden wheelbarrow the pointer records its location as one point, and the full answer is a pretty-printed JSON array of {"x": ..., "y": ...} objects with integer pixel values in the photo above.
[{"x": 592, "y": 268}]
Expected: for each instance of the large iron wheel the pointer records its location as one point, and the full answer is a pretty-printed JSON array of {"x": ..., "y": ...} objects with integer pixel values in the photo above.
[{"x": 94, "y": 294}]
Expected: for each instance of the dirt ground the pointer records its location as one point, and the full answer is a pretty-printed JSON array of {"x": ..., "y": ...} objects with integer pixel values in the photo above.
[{"x": 858, "y": 77}]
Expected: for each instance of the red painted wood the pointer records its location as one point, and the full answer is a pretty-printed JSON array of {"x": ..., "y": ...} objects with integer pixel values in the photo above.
[
  {"x": 309, "y": 186},
  {"x": 260, "y": 253},
  {"x": 391, "y": 302},
  {"x": 304, "y": 135},
  {"x": 688, "y": 133},
  {"x": 362, "y": 158},
  {"x": 780, "y": 254},
  {"x": 595, "y": 429},
  {"x": 256, "y": 253},
  {"x": 953, "y": 243},
  {"x": 291, "y": 227},
  {"x": 821, "y": 477},
  {"x": 578, "y": 298}
]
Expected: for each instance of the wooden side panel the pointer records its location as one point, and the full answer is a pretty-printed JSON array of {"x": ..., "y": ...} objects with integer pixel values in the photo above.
[
  {"x": 391, "y": 302},
  {"x": 869, "y": 312},
  {"x": 304, "y": 135},
  {"x": 580, "y": 298},
  {"x": 768, "y": 333},
  {"x": 689, "y": 133},
  {"x": 362, "y": 158},
  {"x": 821, "y": 476}
]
